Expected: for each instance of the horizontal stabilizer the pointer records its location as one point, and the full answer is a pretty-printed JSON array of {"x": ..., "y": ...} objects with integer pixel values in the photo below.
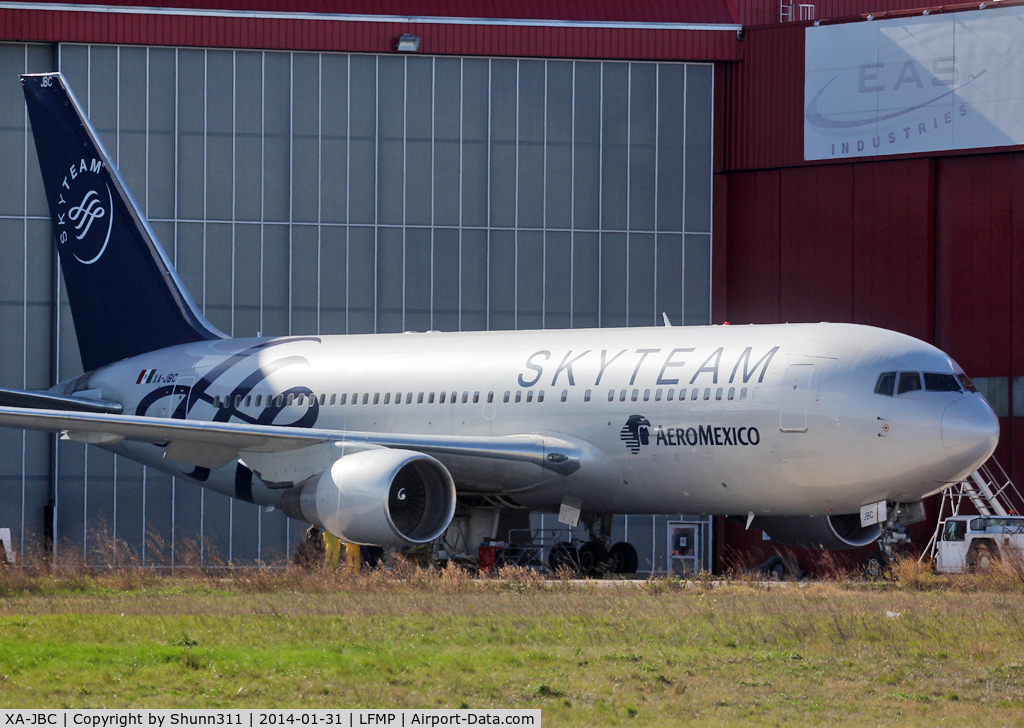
[{"x": 45, "y": 400}]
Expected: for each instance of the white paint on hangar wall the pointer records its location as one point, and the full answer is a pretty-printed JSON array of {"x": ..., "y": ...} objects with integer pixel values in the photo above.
[{"x": 922, "y": 84}]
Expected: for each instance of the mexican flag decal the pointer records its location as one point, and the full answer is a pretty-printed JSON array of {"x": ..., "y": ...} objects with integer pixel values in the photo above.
[{"x": 146, "y": 376}]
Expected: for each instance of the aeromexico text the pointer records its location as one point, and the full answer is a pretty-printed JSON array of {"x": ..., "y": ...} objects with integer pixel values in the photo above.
[
  {"x": 706, "y": 435},
  {"x": 673, "y": 365}
]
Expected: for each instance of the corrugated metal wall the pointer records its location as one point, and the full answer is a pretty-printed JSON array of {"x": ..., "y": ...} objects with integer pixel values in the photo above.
[
  {"x": 930, "y": 247},
  {"x": 978, "y": 210},
  {"x": 369, "y": 37},
  {"x": 850, "y": 242},
  {"x": 764, "y": 97},
  {"x": 344, "y": 193},
  {"x": 637, "y": 11}
]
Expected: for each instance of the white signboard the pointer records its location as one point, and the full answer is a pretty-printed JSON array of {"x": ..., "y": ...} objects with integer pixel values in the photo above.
[{"x": 922, "y": 84}]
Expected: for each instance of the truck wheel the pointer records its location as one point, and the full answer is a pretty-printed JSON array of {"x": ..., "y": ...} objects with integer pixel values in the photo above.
[
  {"x": 876, "y": 566},
  {"x": 982, "y": 556}
]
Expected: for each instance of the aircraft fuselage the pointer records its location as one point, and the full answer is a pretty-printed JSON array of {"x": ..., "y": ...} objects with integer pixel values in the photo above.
[{"x": 780, "y": 419}]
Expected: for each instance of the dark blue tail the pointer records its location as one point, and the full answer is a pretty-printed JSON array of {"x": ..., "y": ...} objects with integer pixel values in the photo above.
[{"x": 125, "y": 296}]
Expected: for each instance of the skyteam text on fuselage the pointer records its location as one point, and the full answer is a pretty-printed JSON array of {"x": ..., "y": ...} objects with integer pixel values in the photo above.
[{"x": 378, "y": 438}]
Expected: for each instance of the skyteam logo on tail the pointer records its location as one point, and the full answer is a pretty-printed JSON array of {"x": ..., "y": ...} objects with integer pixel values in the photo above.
[{"x": 84, "y": 211}]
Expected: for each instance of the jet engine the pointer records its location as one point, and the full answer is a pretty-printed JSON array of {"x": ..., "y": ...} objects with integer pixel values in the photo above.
[
  {"x": 834, "y": 533},
  {"x": 377, "y": 497}
]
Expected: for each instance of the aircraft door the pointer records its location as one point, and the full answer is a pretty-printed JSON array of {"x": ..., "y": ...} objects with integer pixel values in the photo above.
[{"x": 793, "y": 402}]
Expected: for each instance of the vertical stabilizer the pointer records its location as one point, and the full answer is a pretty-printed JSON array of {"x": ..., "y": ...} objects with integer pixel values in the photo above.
[{"x": 125, "y": 296}]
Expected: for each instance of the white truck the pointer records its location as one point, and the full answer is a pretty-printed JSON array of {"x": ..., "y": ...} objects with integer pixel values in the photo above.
[{"x": 975, "y": 543}]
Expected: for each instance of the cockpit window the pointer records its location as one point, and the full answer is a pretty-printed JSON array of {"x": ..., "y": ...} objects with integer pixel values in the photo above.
[
  {"x": 967, "y": 383},
  {"x": 886, "y": 383},
  {"x": 909, "y": 382},
  {"x": 935, "y": 382}
]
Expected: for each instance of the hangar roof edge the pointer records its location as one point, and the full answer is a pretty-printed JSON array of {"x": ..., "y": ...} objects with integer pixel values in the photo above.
[{"x": 645, "y": 14}]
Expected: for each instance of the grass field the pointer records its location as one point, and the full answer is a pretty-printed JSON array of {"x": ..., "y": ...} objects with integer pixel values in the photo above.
[{"x": 916, "y": 652}]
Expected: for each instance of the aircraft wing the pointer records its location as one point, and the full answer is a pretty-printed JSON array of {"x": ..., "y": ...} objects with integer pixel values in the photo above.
[{"x": 214, "y": 444}]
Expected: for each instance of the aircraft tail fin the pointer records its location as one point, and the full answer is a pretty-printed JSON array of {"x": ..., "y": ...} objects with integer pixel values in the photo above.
[{"x": 126, "y": 298}]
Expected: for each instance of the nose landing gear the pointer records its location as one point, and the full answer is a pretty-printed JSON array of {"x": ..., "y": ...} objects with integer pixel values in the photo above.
[{"x": 893, "y": 539}]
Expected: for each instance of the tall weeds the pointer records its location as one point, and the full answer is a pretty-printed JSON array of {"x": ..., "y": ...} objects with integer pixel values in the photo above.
[{"x": 110, "y": 564}]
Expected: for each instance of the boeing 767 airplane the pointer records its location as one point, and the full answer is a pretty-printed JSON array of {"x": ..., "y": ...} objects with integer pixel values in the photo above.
[{"x": 381, "y": 439}]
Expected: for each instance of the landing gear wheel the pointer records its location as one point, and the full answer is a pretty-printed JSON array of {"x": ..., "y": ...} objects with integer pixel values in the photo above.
[
  {"x": 563, "y": 556},
  {"x": 876, "y": 566},
  {"x": 592, "y": 558},
  {"x": 622, "y": 559}
]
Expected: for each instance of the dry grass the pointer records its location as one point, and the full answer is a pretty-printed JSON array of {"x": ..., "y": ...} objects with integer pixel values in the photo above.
[
  {"x": 918, "y": 649},
  {"x": 661, "y": 652}
]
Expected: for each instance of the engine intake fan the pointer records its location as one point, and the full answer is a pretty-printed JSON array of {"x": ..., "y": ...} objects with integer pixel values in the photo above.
[{"x": 377, "y": 497}]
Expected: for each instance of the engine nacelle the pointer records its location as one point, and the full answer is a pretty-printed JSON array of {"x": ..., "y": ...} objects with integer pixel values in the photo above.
[
  {"x": 834, "y": 533},
  {"x": 378, "y": 497}
]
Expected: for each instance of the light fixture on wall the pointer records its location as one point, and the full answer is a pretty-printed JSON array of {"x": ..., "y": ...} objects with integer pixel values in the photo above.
[{"x": 408, "y": 44}]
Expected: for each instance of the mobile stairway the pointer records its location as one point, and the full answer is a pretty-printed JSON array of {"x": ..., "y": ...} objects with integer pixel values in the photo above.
[{"x": 997, "y": 501}]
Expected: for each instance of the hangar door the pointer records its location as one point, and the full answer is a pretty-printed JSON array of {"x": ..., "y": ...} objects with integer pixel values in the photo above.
[{"x": 330, "y": 193}]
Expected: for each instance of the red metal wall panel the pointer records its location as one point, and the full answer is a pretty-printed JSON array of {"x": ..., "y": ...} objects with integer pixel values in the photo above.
[
  {"x": 370, "y": 37},
  {"x": 752, "y": 248},
  {"x": 1016, "y": 265},
  {"x": 893, "y": 252},
  {"x": 764, "y": 100},
  {"x": 816, "y": 244},
  {"x": 974, "y": 197},
  {"x": 719, "y": 250},
  {"x": 635, "y": 11},
  {"x": 1012, "y": 433}
]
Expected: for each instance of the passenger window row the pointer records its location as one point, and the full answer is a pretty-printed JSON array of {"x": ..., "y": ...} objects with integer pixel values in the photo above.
[
  {"x": 911, "y": 382},
  {"x": 720, "y": 393},
  {"x": 302, "y": 400}
]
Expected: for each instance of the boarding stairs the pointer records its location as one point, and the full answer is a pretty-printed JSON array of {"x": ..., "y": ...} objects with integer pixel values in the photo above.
[{"x": 988, "y": 489}]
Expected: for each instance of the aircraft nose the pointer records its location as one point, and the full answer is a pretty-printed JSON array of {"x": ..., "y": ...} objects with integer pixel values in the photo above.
[{"x": 970, "y": 432}]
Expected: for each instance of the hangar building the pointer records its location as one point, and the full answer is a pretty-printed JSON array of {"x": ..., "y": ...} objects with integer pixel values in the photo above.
[{"x": 543, "y": 165}]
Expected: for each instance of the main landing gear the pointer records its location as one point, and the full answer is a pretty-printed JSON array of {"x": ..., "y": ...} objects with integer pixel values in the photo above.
[{"x": 596, "y": 557}]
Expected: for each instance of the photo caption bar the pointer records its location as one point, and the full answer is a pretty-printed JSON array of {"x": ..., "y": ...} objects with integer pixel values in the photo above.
[{"x": 165, "y": 718}]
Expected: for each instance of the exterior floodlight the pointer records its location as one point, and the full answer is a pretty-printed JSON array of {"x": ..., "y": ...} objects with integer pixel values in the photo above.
[{"x": 408, "y": 44}]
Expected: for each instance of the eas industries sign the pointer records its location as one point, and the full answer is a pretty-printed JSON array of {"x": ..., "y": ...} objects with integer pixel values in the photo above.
[{"x": 923, "y": 84}]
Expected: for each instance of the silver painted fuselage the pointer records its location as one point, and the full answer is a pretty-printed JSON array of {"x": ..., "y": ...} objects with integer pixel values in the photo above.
[{"x": 758, "y": 435}]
